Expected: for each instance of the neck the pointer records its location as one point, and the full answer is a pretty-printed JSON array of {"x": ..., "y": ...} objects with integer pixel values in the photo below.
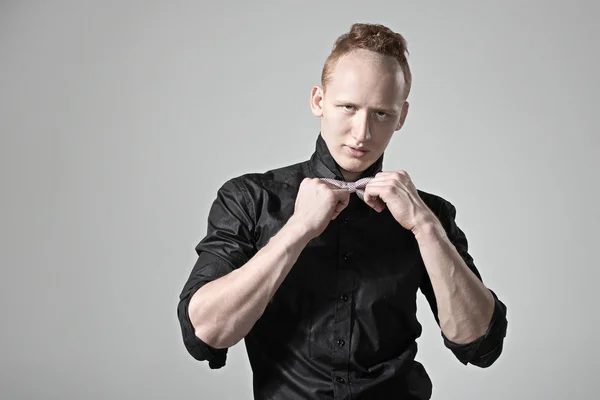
[{"x": 350, "y": 176}]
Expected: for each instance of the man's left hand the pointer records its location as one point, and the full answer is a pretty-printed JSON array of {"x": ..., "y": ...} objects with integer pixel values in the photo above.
[{"x": 396, "y": 191}]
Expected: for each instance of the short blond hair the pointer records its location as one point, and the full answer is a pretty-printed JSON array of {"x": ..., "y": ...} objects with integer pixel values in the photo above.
[{"x": 374, "y": 37}]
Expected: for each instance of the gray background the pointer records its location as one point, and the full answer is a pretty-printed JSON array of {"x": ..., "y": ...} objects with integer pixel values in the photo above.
[{"x": 120, "y": 120}]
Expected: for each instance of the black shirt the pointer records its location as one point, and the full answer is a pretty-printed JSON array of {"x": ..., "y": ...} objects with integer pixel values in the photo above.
[{"x": 343, "y": 324}]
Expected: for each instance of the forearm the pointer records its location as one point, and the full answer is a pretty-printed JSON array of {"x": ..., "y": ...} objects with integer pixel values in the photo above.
[
  {"x": 465, "y": 306},
  {"x": 223, "y": 311}
]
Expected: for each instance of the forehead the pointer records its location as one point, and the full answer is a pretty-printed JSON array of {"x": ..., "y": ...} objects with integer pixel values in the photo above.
[{"x": 367, "y": 75}]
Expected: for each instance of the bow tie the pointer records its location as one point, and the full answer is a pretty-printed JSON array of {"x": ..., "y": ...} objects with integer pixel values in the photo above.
[{"x": 357, "y": 187}]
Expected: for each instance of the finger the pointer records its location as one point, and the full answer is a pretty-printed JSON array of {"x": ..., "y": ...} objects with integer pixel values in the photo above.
[
  {"x": 403, "y": 172},
  {"x": 382, "y": 176},
  {"x": 393, "y": 186},
  {"x": 372, "y": 199},
  {"x": 343, "y": 199},
  {"x": 376, "y": 205},
  {"x": 368, "y": 198},
  {"x": 388, "y": 180},
  {"x": 329, "y": 185}
]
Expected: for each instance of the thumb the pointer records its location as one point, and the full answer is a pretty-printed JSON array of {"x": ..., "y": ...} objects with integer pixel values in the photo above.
[
  {"x": 343, "y": 198},
  {"x": 374, "y": 202}
]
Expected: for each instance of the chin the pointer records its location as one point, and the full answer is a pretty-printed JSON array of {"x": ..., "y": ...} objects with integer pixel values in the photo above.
[{"x": 354, "y": 165}]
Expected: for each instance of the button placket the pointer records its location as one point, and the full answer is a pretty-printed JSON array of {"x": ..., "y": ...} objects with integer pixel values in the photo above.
[
  {"x": 341, "y": 334},
  {"x": 341, "y": 388}
]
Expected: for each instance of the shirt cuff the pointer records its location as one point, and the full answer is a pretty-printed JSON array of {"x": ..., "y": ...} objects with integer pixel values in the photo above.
[{"x": 484, "y": 350}]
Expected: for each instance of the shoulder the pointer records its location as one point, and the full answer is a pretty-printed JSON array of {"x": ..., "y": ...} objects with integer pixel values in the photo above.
[{"x": 252, "y": 183}]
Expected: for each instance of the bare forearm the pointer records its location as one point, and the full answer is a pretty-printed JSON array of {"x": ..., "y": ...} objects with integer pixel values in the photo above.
[
  {"x": 465, "y": 305},
  {"x": 223, "y": 311}
]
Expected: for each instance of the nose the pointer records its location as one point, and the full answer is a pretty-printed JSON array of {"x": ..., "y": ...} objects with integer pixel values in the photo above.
[{"x": 361, "y": 131}]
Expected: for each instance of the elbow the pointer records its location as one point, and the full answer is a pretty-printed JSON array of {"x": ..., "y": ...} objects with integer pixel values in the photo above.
[
  {"x": 209, "y": 336},
  {"x": 193, "y": 333},
  {"x": 210, "y": 331},
  {"x": 199, "y": 320},
  {"x": 216, "y": 337},
  {"x": 216, "y": 327},
  {"x": 203, "y": 327}
]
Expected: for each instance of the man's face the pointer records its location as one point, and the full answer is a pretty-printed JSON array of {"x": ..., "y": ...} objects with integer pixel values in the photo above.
[{"x": 361, "y": 109}]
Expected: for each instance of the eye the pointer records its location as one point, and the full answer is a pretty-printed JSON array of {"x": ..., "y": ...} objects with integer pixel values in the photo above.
[
  {"x": 348, "y": 108},
  {"x": 381, "y": 114}
]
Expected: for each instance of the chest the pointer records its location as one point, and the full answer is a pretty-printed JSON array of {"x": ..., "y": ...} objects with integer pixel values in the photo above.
[{"x": 362, "y": 253}]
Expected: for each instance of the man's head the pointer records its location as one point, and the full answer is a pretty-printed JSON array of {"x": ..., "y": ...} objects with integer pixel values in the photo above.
[{"x": 362, "y": 98}]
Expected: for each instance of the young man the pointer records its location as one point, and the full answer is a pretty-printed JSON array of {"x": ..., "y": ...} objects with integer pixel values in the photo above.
[{"x": 317, "y": 264}]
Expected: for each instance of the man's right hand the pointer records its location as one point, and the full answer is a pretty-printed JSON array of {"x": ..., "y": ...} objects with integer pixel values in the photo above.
[{"x": 318, "y": 203}]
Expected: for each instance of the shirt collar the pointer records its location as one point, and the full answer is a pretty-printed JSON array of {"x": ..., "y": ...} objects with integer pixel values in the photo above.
[{"x": 324, "y": 165}]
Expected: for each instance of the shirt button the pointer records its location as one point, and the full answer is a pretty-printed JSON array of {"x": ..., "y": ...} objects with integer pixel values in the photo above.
[
  {"x": 341, "y": 343},
  {"x": 347, "y": 255},
  {"x": 339, "y": 379},
  {"x": 345, "y": 221},
  {"x": 344, "y": 297}
]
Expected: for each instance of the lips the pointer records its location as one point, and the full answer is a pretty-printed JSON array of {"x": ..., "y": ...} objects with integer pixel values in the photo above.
[
  {"x": 354, "y": 152},
  {"x": 357, "y": 149}
]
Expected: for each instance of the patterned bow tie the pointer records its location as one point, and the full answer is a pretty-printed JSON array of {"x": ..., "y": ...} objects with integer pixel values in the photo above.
[{"x": 357, "y": 187}]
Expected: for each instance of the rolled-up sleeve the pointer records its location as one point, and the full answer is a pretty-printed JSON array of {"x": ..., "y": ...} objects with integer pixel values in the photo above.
[
  {"x": 485, "y": 350},
  {"x": 228, "y": 245}
]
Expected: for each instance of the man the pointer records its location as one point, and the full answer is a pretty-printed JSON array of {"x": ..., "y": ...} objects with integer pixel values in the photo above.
[{"x": 317, "y": 264}]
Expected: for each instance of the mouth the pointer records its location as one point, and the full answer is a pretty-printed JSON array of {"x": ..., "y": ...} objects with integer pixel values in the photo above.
[{"x": 354, "y": 152}]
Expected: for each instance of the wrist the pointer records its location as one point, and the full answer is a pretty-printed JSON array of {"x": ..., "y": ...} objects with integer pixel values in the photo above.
[
  {"x": 428, "y": 226},
  {"x": 299, "y": 229}
]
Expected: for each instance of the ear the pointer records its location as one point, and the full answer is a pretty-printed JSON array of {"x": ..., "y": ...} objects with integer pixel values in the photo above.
[
  {"x": 403, "y": 115},
  {"x": 316, "y": 101}
]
